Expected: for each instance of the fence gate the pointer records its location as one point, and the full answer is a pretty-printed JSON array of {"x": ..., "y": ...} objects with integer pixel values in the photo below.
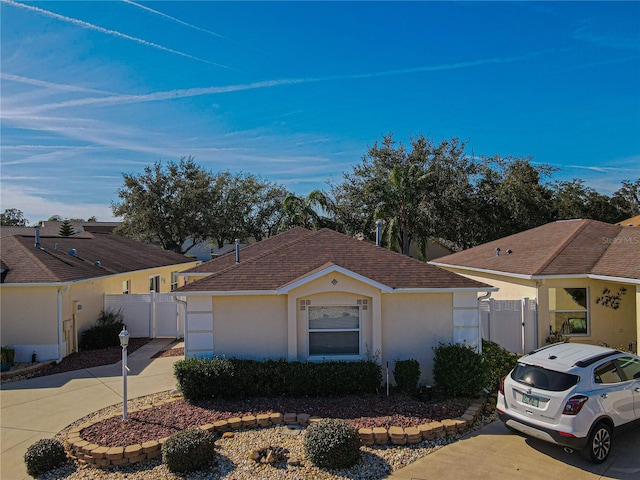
[
  {"x": 510, "y": 323},
  {"x": 150, "y": 315}
]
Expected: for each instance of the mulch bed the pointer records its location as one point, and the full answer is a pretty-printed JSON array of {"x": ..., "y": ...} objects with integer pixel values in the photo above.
[{"x": 362, "y": 411}]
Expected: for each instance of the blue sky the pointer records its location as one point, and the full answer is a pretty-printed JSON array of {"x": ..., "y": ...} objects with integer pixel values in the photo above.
[{"x": 296, "y": 92}]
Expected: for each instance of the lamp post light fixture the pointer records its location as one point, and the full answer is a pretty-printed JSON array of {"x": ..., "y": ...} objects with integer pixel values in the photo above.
[{"x": 124, "y": 342}]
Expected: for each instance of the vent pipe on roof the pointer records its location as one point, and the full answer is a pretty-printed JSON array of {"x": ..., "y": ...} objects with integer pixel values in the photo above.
[
  {"x": 37, "y": 245},
  {"x": 379, "y": 232},
  {"x": 237, "y": 250},
  {"x": 498, "y": 252}
]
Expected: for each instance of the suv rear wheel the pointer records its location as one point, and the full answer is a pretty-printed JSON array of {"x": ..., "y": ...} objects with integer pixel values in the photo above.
[{"x": 599, "y": 445}]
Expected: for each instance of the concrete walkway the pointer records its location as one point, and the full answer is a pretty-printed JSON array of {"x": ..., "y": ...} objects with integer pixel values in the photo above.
[
  {"x": 495, "y": 453},
  {"x": 41, "y": 407}
]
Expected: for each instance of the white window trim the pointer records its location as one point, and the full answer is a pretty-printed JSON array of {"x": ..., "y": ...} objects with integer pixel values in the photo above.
[
  {"x": 321, "y": 357},
  {"x": 587, "y": 310}
]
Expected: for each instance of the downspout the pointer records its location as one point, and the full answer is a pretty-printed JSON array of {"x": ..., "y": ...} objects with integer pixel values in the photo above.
[
  {"x": 486, "y": 296},
  {"x": 60, "y": 292}
]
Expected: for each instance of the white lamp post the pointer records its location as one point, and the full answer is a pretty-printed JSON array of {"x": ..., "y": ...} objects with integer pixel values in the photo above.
[{"x": 124, "y": 342}]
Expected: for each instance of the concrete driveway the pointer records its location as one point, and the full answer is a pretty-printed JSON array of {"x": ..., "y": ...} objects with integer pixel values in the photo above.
[
  {"x": 494, "y": 452},
  {"x": 41, "y": 407}
]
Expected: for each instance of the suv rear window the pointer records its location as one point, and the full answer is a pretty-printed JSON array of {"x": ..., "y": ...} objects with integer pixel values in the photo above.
[{"x": 543, "y": 379}]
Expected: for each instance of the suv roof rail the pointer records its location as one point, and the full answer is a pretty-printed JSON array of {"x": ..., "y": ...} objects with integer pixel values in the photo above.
[
  {"x": 590, "y": 361},
  {"x": 547, "y": 346}
]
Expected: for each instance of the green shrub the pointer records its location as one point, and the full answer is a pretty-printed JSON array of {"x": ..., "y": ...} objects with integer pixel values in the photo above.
[
  {"x": 188, "y": 450},
  {"x": 458, "y": 369},
  {"x": 105, "y": 332},
  {"x": 204, "y": 377},
  {"x": 332, "y": 443},
  {"x": 407, "y": 375},
  {"x": 7, "y": 354},
  {"x": 44, "y": 455},
  {"x": 499, "y": 363},
  {"x": 232, "y": 378}
]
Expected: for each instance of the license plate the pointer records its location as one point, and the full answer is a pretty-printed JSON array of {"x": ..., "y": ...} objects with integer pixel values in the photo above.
[{"x": 528, "y": 400}]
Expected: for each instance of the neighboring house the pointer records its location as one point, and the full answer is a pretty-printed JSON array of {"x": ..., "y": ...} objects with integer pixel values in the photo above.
[
  {"x": 316, "y": 295},
  {"x": 52, "y": 228},
  {"x": 583, "y": 274},
  {"x": 53, "y": 288},
  {"x": 630, "y": 222}
]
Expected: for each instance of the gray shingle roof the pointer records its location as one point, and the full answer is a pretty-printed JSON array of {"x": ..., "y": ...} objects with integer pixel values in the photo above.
[
  {"x": 571, "y": 247},
  {"x": 283, "y": 259},
  {"x": 116, "y": 254}
]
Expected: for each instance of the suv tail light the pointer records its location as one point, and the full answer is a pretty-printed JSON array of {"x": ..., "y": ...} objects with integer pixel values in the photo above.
[
  {"x": 574, "y": 404},
  {"x": 501, "y": 386}
]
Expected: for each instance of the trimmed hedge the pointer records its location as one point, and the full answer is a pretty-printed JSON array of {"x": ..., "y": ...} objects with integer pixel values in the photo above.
[
  {"x": 201, "y": 378},
  {"x": 105, "y": 332}
]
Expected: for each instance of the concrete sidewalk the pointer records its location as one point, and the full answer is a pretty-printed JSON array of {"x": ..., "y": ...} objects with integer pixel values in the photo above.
[{"x": 41, "y": 407}]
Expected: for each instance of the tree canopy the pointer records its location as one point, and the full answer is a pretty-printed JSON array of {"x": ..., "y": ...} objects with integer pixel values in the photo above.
[{"x": 12, "y": 217}]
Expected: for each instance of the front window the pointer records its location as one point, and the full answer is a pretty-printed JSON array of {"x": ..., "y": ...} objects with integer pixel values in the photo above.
[
  {"x": 126, "y": 287},
  {"x": 174, "y": 280},
  {"x": 334, "y": 330},
  {"x": 568, "y": 310},
  {"x": 154, "y": 283},
  {"x": 630, "y": 367}
]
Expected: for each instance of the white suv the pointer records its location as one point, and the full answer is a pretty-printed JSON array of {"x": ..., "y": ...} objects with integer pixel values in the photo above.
[{"x": 572, "y": 395}]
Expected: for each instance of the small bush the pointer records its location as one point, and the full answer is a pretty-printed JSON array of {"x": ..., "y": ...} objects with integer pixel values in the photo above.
[
  {"x": 459, "y": 370},
  {"x": 499, "y": 363},
  {"x": 407, "y": 375},
  {"x": 188, "y": 450},
  {"x": 332, "y": 443},
  {"x": 105, "y": 332},
  {"x": 44, "y": 455}
]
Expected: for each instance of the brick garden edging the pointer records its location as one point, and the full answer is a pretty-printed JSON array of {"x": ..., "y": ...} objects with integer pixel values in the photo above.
[{"x": 106, "y": 457}]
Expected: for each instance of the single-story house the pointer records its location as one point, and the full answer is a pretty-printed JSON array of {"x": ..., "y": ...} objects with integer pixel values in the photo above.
[
  {"x": 315, "y": 295},
  {"x": 583, "y": 274},
  {"x": 53, "y": 288}
]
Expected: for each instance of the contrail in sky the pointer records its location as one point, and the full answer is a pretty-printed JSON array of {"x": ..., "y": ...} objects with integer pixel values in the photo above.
[
  {"x": 57, "y": 86},
  {"x": 113, "y": 33},
  {"x": 194, "y": 92},
  {"x": 174, "y": 19}
]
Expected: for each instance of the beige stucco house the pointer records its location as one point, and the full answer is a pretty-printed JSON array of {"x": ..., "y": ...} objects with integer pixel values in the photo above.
[
  {"x": 315, "y": 295},
  {"x": 583, "y": 274},
  {"x": 53, "y": 288}
]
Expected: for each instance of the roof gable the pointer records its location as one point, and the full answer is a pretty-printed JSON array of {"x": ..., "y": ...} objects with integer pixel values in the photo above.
[
  {"x": 281, "y": 262},
  {"x": 573, "y": 247},
  {"x": 96, "y": 255}
]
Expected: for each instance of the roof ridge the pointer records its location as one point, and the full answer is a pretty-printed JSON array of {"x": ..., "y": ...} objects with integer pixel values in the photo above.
[
  {"x": 269, "y": 251},
  {"x": 581, "y": 226}
]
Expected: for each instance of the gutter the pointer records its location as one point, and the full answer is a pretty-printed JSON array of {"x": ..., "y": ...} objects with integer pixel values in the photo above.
[{"x": 60, "y": 292}]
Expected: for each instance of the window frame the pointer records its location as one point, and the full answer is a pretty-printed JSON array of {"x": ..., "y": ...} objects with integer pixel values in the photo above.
[
  {"x": 586, "y": 311},
  {"x": 174, "y": 280},
  {"x": 156, "y": 279},
  {"x": 321, "y": 356},
  {"x": 126, "y": 287}
]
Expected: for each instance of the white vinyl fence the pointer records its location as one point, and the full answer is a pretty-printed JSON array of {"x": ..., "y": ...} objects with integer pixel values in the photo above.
[
  {"x": 510, "y": 323},
  {"x": 149, "y": 315}
]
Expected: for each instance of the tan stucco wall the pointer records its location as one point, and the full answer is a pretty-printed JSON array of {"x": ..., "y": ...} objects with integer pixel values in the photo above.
[
  {"x": 251, "y": 326},
  {"x": 510, "y": 288},
  {"x": 412, "y": 325},
  {"x": 29, "y": 314},
  {"x": 616, "y": 327}
]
